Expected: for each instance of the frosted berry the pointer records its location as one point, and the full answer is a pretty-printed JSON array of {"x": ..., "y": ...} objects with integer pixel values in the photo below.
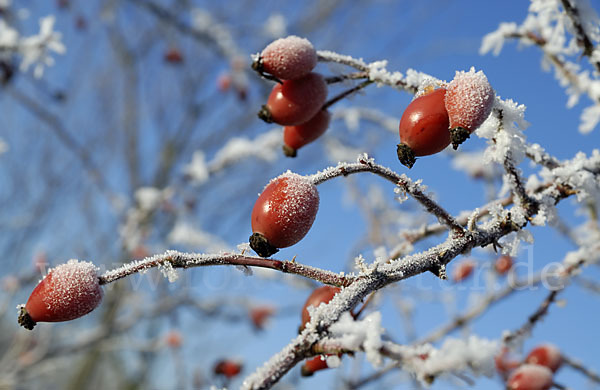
[
  {"x": 322, "y": 294},
  {"x": 423, "y": 127},
  {"x": 287, "y": 58},
  {"x": 503, "y": 264},
  {"x": 69, "y": 291},
  {"x": 295, "y": 137},
  {"x": 545, "y": 355},
  {"x": 530, "y": 377},
  {"x": 228, "y": 368},
  {"x": 295, "y": 101},
  {"x": 469, "y": 101},
  {"x": 463, "y": 270},
  {"x": 283, "y": 213},
  {"x": 313, "y": 365}
]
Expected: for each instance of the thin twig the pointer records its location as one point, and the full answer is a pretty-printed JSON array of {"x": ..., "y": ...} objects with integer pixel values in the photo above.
[
  {"x": 344, "y": 77},
  {"x": 578, "y": 366},
  {"x": 533, "y": 319},
  {"x": 486, "y": 303},
  {"x": 174, "y": 259},
  {"x": 346, "y": 93},
  {"x": 582, "y": 37},
  {"x": 402, "y": 181}
]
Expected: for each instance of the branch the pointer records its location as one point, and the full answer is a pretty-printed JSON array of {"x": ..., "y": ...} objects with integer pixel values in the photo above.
[
  {"x": 378, "y": 277},
  {"x": 476, "y": 311},
  {"x": 533, "y": 319},
  {"x": 582, "y": 37},
  {"x": 174, "y": 259},
  {"x": 346, "y": 93},
  {"x": 402, "y": 181},
  {"x": 578, "y": 366},
  {"x": 375, "y": 70},
  {"x": 542, "y": 310}
]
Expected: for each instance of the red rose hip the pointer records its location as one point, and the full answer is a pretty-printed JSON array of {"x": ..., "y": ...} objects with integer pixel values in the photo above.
[
  {"x": 463, "y": 270},
  {"x": 287, "y": 58},
  {"x": 295, "y": 137},
  {"x": 295, "y": 101},
  {"x": 546, "y": 355},
  {"x": 423, "y": 127},
  {"x": 322, "y": 294},
  {"x": 530, "y": 377},
  {"x": 228, "y": 368},
  {"x": 503, "y": 264},
  {"x": 313, "y": 365},
  {"x": 69, "y": 291},
  {"x": 469, "y": 100},
  {"x": 283, "y": 213}
]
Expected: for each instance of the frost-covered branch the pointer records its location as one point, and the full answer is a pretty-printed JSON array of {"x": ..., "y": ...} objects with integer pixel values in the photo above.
[
  {"x": 171, "y": 260},
  {"x": 378, "y": 73},
  {"x": 547, "y": 26},
  {"x": 406, "y": 185},
  {"x": 382, "y": 274},
  {"x": 582, "y": 35}
]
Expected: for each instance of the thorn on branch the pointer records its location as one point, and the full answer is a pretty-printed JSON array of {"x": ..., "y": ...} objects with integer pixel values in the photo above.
[{"x": 439, "y": 270}]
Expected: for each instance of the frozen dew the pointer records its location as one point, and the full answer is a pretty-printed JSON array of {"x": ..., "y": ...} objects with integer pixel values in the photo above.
[
  {"x": 358, "y": 335},
  {"x": 474, "y": 355}
]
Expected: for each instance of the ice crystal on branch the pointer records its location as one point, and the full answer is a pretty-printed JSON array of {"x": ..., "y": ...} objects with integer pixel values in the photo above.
[{"x": 36, "y": 48}]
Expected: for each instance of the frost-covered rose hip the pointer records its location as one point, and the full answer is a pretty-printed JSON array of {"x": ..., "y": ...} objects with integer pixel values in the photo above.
[
  {"x": 320, "y": 295},
  {"x": 530, "y": 377},
  {"x": 295, "y": 101},
  {"x": 469, "y": 100},
  {"x": 295, "y": 137},
  {"x": 545, "y": 355},
  {"x": 287, "y": 58},
  {"x": 69, "y": 291},
  {"x": 283, "y": 213},
  {"x": 423, "y": 127}
]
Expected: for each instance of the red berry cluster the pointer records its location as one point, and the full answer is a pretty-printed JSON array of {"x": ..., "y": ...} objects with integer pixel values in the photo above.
[
  {"x": 535, "y": 372},
  {"x": 283, "y": 213},
  {"x": 438, "y": 117},
  {"x": 297, "y": 100}
]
